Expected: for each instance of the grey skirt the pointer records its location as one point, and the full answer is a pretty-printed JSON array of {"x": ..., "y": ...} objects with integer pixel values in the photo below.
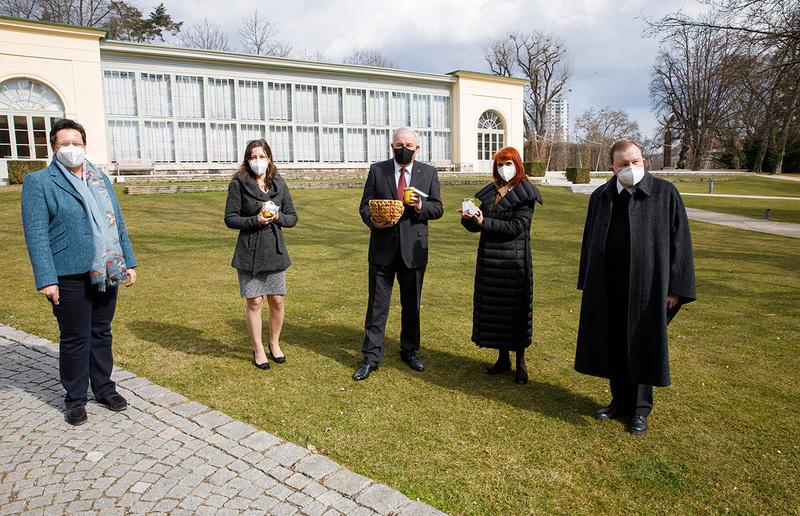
[{"x": 271, "y": 283}]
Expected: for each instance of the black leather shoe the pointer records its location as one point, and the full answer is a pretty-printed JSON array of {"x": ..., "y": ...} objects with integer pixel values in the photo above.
[
  {"x": 414, "y": 363},
  {"x": 521, "y": 378},
  {"x": 363, "y": 372},
  {"x": 606, "y": 413},
  {"x": 76, "y": 415},
  {"x": 637, "y": 425},
  {"x": 113, "y": 401}
]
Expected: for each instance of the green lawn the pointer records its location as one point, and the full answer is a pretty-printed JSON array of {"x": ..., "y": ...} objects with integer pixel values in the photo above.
[{"x": 723, "y": 437}]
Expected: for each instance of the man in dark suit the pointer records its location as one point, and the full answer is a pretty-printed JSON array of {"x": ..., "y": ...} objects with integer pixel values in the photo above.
[{"x": 399, "y": 248}]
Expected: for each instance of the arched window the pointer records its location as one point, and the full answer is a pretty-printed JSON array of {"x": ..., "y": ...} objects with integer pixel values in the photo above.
[
  {"x": 28, "y": 109},
  {"x": 491, "y": 137}
]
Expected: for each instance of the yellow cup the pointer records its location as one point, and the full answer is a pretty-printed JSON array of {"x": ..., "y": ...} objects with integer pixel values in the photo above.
[{"x": 407, "y": 195}]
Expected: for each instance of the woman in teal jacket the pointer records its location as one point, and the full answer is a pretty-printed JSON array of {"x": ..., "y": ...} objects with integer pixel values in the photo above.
[{"x": 80, "y": 253}]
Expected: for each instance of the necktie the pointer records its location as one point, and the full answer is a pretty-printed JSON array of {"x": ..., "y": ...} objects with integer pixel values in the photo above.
[{"x": 401, "y": 184}]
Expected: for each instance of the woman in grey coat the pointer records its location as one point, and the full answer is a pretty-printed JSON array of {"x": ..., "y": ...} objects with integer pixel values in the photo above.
[{"x": 259, "y": 205}]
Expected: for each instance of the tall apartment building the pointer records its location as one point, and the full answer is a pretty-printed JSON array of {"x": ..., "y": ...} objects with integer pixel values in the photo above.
[{"x": 558, "y": 120}]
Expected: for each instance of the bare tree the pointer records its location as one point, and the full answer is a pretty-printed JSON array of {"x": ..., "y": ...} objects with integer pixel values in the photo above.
[
  {"x": 259, "y": 35},
  {"x": 603, "y": 128},
  {"x": 369, "y": 57},
  {"x": 207, "y": 35},
  {"x": 693, "y": 82},
  {"x": 539, "y": 57},
  {"x": 306, "y": 54}
]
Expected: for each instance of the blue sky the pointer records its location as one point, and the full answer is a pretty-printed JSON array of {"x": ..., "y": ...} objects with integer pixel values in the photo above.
[{"x": 611, "y": 60}]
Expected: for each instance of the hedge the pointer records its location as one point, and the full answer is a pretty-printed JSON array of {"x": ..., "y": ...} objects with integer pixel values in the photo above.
[
  {"x": 18, "y": 169},
  {"x": 578, "y": 175},
  {"x": 535, "y": 168}
]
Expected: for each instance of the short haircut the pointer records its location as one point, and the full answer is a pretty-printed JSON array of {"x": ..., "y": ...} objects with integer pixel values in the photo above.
[
  {"x": 505, "y": 154},
  {"x": 66, "y": 123},
  {"x": 404, "y": 130},
  {"x": 619, "y": 146}
]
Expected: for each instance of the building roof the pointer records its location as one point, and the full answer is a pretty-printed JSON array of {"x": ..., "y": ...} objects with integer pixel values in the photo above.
[{"x": 44, "y": 26}]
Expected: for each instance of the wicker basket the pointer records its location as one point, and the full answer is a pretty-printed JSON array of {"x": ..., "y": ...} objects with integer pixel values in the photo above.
[{"x": 386, "y": 210}]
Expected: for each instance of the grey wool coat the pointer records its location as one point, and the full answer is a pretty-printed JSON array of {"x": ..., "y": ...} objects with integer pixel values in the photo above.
[
  {"x": 502, "y": 313},
  {"x": 661, "y": 263},
  {"x": 259, "y": 248}
]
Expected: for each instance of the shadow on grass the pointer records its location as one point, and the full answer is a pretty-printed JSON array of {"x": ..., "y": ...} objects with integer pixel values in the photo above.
[
  {"x": 182, "y": 338},
  {"x": 444, "y": 369}
]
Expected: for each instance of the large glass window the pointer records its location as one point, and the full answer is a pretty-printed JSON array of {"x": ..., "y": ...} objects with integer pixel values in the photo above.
[
  {"x": 331, "y": 109},
  {"x": 356, "y": 107},
  {"x": 401, "y": 110},
  {"x": 424, "y": 142},
  {"x": 281, "y": 142},
  {"x": 189, "y": 97},
  {"x": 280, "y": 101},
  {"x": 251, "y": 100},
  {"x": 123, "y": 136},
  {"x": 422, "y": 110},
  {"x": 156, "y": 95},
  {"x": 192, "y": 142},
  {"x": 120, "y": 88},
  {"x": 28, "y": 110},
  {"x": 440, "y": 114},
  {"x": 5, "y": 137},
  {"x": 220, "y": 99},
  {"x": 307, "y": 143},
  {"x": 252, "y": 132},
  {"x": 332, "y": 144},
  {"x": 379, "y": 108},
  {"x": 440, "y": 146},
  {"x": 305, "y": 103},
  {"x": 159, "y": 139},
  {"x": 378, "y": 144},
  {"x": 223, "y": 143},
  {"x": 357, "y": 145}
]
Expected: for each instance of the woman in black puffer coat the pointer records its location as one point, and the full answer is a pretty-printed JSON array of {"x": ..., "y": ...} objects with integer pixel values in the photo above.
[{"x": 503, "y": 299}]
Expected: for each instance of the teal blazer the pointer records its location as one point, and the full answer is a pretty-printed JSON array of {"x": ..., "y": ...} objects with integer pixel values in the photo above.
[{"x": 58, "y": 233}]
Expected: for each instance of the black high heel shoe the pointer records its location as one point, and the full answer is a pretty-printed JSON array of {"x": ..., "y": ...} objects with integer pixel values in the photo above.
[
  {"x": 278, "y": 360},
  {"x": 264, "y": 366}
]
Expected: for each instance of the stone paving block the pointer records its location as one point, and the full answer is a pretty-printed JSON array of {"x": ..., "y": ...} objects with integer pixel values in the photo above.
[
  {"x": 416, "y": 508},
  {"x": 345, "y": 505},
  {"x": 212, "y": 419},
  {"x": 166, "y": 505},
  {"x": 316, "y": 466},
  {"x": 168, "y": 399},
  {"x": 189, "y": 409},
  {"x": 237, "y": 503},
  {"x": 287, "y": 454},
  {"x": 298, "y": 481},
  {"x": 236, "y": 430},
  {"x": 362, "y": 511},
  {"x": 284, "y": 509},
  {"x": 280, "y": 473},
  {"x": 280, "y": 491},
  {"x": 313, "y": 509},
  {"x": 221, "y": 477},
  {"x": 299, "y": 499},
  {"x": 347, "y": 482},
  {"x": 262, "y": 441},
  {"x": 381, "y": 498},
  {"x": 332, "y": 512}
]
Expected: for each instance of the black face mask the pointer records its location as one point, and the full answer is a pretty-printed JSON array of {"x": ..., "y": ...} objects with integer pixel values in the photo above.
[{"x": 403, "y": 155}]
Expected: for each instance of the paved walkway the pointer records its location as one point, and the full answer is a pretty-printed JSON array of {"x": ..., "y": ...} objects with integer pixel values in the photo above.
[{"x": 164, "y": 455}]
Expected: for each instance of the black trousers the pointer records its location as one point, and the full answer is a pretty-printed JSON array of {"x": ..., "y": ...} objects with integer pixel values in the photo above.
[
  {"x": 627, "y": 398},
  {"x": 84, "y": 317},
  {"x": 381, "y": 281}
]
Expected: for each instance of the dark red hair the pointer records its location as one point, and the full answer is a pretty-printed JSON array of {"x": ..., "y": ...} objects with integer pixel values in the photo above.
[{"x": 505, "y": 154}]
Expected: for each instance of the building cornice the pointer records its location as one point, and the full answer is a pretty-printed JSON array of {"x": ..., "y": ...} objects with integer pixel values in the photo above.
[
  {"x": 52, "y": 27},
  {"x": 124, "y": 48},
  {"x": 516, "y": 81}
]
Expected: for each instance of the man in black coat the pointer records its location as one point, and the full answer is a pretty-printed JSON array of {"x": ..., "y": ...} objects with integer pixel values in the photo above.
[
  {"x": 636, "y": 271},
  {"x": 399, "y": 248}
]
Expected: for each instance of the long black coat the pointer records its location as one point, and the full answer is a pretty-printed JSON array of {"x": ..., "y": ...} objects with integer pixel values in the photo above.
[
  {"x": 661, "y": 263},
  {"x": 259, "y": 248},
  {"x": 503, "y": 299}
]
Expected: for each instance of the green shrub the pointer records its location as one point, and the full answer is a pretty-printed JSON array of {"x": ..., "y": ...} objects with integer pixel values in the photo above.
[
  {"x": 535, "y": 168},
  {"x": 17, "y": 169},
  {"x": 578, "y": 175}
]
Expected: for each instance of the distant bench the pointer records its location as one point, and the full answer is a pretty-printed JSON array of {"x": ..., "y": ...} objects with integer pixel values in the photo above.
[{"x": 135, "y": 166}]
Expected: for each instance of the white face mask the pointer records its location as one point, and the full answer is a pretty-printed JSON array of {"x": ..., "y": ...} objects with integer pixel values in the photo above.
[
  {"x": 630, "y": 176},
  {"x": 507, "y": 172},
  {"x": 259, "y": 166},
  {"x": 71, "y": 156}
]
